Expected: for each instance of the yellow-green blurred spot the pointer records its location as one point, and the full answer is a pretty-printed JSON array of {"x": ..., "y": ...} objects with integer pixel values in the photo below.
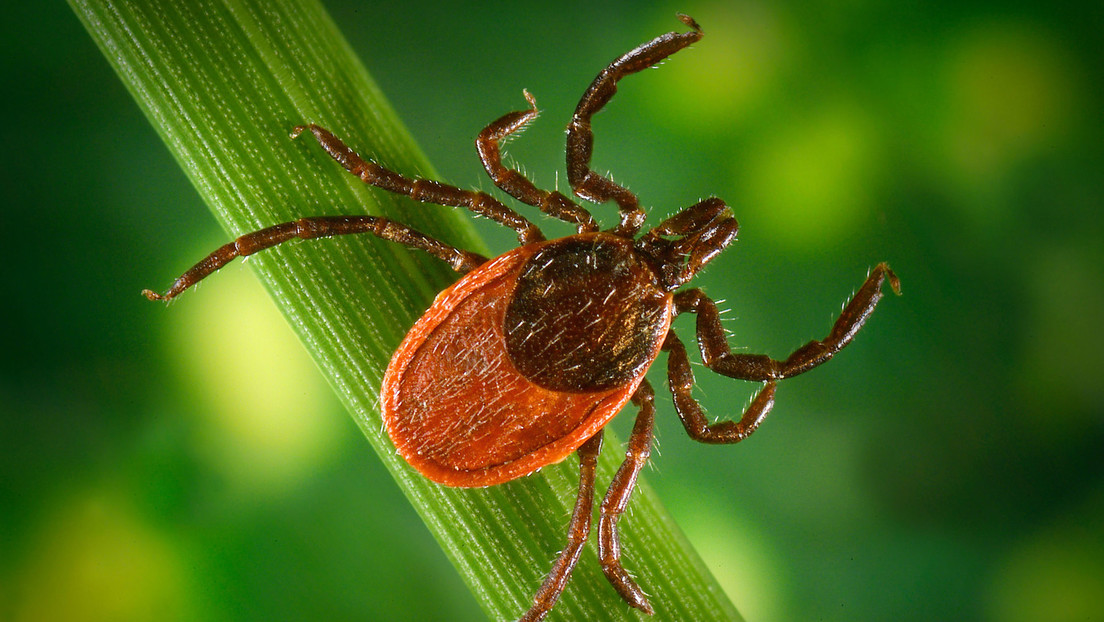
[
  {"x": 1011, "y": 93},
  {"x": 94, "y": 560},
  {"x": 1062, "y": 355},
  {"x": 1057, "y": 577},
  {"x": 717, "y": 81},
  {"x": 739, "y": 560},
  {"x": 813, "y": 180},
  {"x": 268, "y": 414}
]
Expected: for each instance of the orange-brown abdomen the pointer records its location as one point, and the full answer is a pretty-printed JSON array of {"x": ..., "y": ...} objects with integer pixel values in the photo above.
[{"x": 502, "y": 376}]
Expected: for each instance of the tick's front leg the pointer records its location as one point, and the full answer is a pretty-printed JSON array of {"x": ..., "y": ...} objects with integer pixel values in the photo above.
[
  {"x": 423, "y": 190},
  {"x": 517, "y": 185},
  {"x": 587, "y": 183}
]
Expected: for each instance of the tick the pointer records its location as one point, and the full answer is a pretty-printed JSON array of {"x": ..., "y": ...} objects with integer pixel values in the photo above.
[{"x": 525, "y": 359}]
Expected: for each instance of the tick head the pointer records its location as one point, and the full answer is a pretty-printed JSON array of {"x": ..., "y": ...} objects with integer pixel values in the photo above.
[{"x": 679, "y": 247}]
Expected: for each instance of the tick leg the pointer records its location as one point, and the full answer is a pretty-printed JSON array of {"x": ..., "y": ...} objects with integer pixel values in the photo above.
[
  {"x": 577, "y": 532},
  {"x": 681, "y": 380},
  {"x": 580, "y": 138},
  {"x": 424, "y": 190},
  {"x": 515, "y": 184},
  {"x": 617, "y": 498},
  {"x": 718, "y": 357},
  {"x": 319, "y": 227}
]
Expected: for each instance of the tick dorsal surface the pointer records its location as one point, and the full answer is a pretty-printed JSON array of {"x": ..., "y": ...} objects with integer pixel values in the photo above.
[
  {"x": 586, "y": 315},
  {"x": 466, "y": 410}
]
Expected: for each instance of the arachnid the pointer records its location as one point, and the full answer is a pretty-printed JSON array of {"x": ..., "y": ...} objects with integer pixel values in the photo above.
[{"x": 525, "y": 359}]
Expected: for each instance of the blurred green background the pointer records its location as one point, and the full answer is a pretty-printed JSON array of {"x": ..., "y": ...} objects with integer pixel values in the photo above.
[{"x": 190, "y": 462}]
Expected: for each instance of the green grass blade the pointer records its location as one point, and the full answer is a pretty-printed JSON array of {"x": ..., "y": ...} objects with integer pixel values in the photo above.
[{"x": 223, "y": 82}]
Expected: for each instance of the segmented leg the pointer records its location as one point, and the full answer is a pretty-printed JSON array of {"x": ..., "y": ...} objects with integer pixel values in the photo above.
[
  {"x": 617, "y": 498},
  {"x": 319, "y": 227},
  {"x": 681, "y": 381},
  {"x": 577, "y": 532},
  {"x": 424, "y": 190},
  {"x": 580, "y": 138},
  {"x": 717, "y": 356},
  {"x": 514, "y": 183}
]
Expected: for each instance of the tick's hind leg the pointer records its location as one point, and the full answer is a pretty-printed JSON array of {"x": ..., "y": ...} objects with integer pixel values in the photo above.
[
  {"x": 577, "y": 532},
  {"x": 319, "y": 227},
  {"x": 514, "y": 183},
  {"x": 617, "y": 498},
  {"x": 613, "y": 505},
  {"x": 580, "y": 138},
  {"x": 424, "y": 190}
]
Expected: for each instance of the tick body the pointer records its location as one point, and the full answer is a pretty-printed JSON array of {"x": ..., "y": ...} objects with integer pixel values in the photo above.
[{"x": 525, "y": 359}]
